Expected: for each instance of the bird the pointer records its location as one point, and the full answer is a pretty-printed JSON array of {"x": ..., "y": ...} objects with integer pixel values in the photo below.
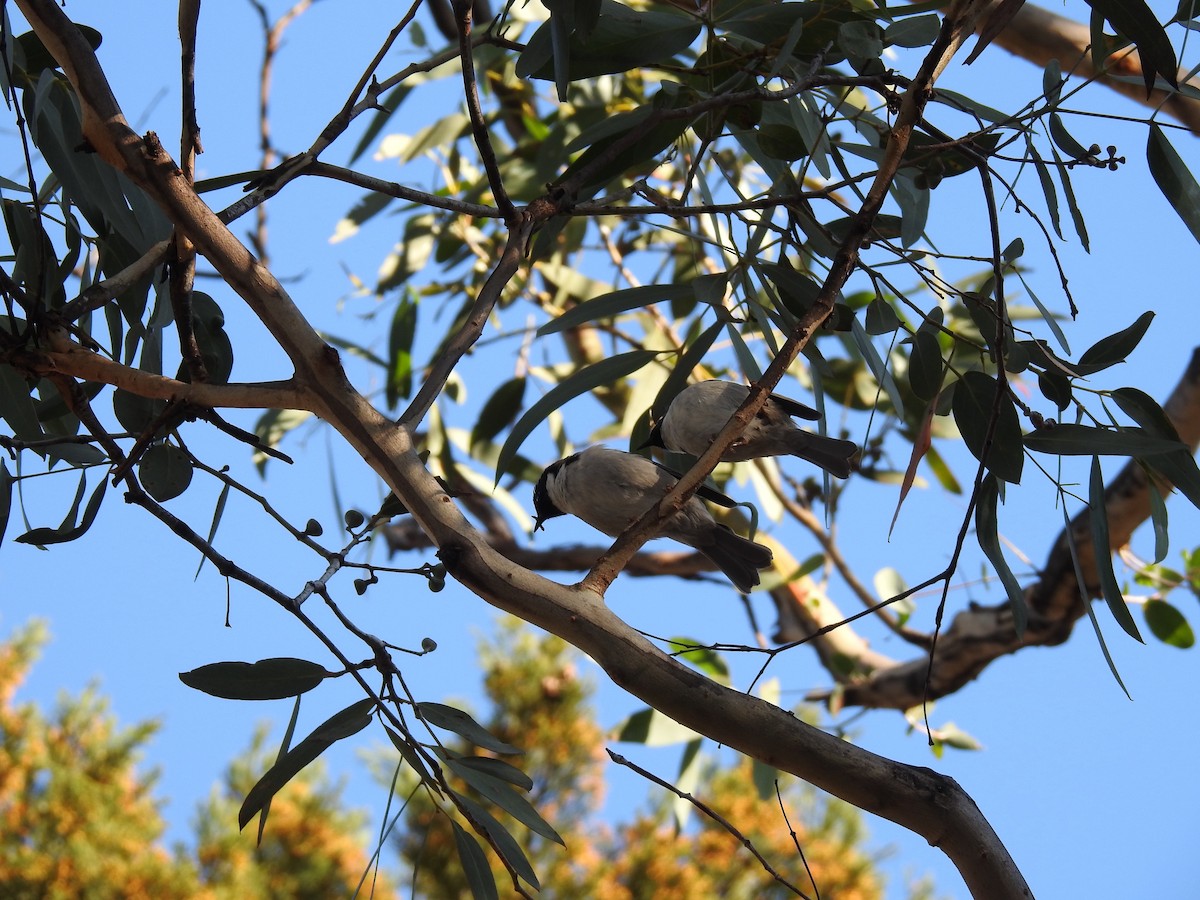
[
  {"x": 700, "y": 411},
  {"x": 611, "y": 489}
]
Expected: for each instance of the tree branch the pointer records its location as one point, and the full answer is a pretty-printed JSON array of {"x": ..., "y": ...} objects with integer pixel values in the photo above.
[
  {"x": 982, "y": 634},
  {"x": 915, "y": 797}
]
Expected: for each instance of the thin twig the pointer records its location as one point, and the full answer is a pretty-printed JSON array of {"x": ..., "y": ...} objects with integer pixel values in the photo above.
[{"x": 712, "y": 814}]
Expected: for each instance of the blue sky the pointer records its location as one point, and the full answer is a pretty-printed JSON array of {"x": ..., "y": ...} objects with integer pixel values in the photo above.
[{"x": 1094, "y": 795}]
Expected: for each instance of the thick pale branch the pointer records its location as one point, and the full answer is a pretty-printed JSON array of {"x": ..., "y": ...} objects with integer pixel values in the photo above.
[{"x": 982, "y": 634}]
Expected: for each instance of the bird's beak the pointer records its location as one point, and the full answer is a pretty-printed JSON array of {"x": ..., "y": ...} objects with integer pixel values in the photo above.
[{"x": 653, "y": 439}]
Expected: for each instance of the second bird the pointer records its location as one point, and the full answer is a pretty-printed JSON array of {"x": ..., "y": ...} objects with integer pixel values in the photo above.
[{"x": 700, "y": 411}]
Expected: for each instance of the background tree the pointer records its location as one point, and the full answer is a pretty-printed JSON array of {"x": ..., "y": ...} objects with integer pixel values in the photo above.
[
  {"x": 80, "y": 818},
  {"x": 749, "y": 172}
]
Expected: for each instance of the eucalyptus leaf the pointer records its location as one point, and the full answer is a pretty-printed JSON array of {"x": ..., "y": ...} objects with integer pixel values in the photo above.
[
  {"x": 975, "y": 405},
  {"x": 267, "y": 679},
  {"x": 605, "y": 372},
  {"x": 462, "y": 724},
  {"x": 1098, "y": 516},
  {"x": 344, "y": 724}
]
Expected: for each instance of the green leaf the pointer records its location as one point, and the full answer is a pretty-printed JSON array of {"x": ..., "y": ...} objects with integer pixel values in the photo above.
[
  {"x": 216, "y": 350},
  {"x": 860, "y": 40},
  {"x": 926, "y": 368},
  {"x": 16, "y": 405},
  {"x": 384, "y": 110},
  {"x": 654, "y": 729},
  {"x": 165, "y": 471},
  {"x": 1158, "y": 520},
  {"x": 1168, "y": 624},
  {"x": 499, "y": 411},
  {"x": 613, "y": 304},
  {"x": 1098, "y": 516},
  {"x": 400, "y": 344},
  {"x": 218, "y": 513},
  {"x": 622, "y": 39},
  {"x": 707, "y": 661},
  {"x": 917, "y": 31},
  {"x": 69, "y": 529},
  {"x": 975, "y": 403},
  {"x": 605, "y": 372},
  {"x": 498, "y": 768},
  {"x": 876, "y": 364},
  {"x": 411, "y": 756},
  {"x": 510, "y": 851},
  {"x": 988, "y": 534},
  {"x": 1087, "y": 601},
  {"x": 686, "y": 364},
  {"x": 474, "y": 865},
  {"x": 461, "y": 723},
  {"x": 267, "y": 679},
  {"x": 1048, "y": 189},
  {"x": 881, "y": 318},
  {"x": 349, "y": 721},
  {"x": 1064, "y": 177},
  {"x": 1174, "y": 179},
  {"x": 504, "y": 796},
  {"x": 1065, "y": 141},
  {"x": 1116, "y": 348},
  {"x": 1066, "y": 439},
  {"x": 1136, "y": 21},
  {"x": 5, "y": 498}
]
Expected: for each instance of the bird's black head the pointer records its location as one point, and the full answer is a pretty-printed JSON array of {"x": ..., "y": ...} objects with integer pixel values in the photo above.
[
  {"x": 543, "y": 506},
  {"x": 654, "y": 439}
]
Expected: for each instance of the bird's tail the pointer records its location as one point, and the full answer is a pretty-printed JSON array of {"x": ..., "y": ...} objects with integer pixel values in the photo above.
[
  {"x": 738, "y": 558},
  {"x": 831, "y": 454}
]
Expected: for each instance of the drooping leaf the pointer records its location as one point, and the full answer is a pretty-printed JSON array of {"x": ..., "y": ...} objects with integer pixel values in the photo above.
[
  {"x": 349, "y": 721},
  {"x": 502, "y": 841},
  {"x": 1067, "y": 439},
  {"x": 1080, "y": 580},
  {"x": 474, "y": 865},
  {"x": 926, "y": 368},
  {"x": 400, "y": 345},
  {"x": 688, "y": 360},
  {"x": 1098, "y": 515},
  {"x": 988, "y": 535},
  {"x": 1047, "y": 183},
  {"x": 218, "y": 513},
  {"x": 1064, "y": 177},
  {"x": 165, "y": 471},
  {"x": 605, "y": 372},
  {"x": 462, "y": 724},
  {"x": 499, "y": 410},
  {"x": 505, "y": 796},
  {"x": 975, "y": 405},
  {"x": 613, "y": 304},
  {"x": 1136, "y": 21},
  {"x": 1174, "y": 179},
  {"x": 1168, "y": 624},
  {"x": 16, "y": 405},
  {"x": 5, "y": 498},
  {"x": 877, "y": 366},
  {"x": 881, "y": 318},
  {"x": 267, "y": 679}
]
